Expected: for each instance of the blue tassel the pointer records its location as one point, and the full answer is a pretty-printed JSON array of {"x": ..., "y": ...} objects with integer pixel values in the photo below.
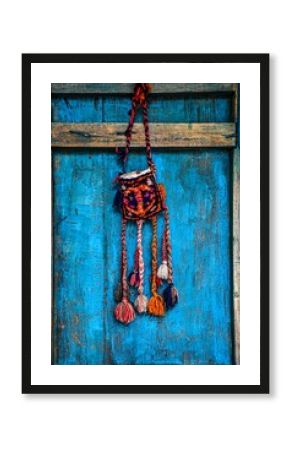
[
  {"x": 170, "y": 296},
  {"x": 118, "y": 200}
]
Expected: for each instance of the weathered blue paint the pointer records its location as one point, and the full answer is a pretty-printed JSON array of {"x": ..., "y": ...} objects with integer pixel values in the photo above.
[
  {"x": 162, "y": 109},
  {"x": 87, "y": 257}
]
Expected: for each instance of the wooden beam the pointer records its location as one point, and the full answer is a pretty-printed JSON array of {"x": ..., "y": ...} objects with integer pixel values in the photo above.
[
  {"x": 127, "y": 88},
  {"x": 102, "y": 135}
]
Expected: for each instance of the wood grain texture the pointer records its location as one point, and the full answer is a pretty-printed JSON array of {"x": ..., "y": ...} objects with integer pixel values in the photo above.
[
  {"x": 236, "y": 232},
  {"x": 127, "y": 88},
  {"x": 162, "y": 135},
  {"x": 236, "y": 253},
  {"x": 162, "y": 108}
]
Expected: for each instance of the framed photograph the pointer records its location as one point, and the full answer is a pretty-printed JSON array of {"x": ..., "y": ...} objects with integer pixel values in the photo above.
[{"x": 145, "y": 223}]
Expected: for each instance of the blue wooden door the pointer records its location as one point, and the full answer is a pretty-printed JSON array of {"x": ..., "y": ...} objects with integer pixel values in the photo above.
[{"x": 86, "y": 242}]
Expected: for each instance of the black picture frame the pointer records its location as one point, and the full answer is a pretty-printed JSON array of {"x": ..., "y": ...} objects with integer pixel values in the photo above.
[{"x": 27, "y": 61}]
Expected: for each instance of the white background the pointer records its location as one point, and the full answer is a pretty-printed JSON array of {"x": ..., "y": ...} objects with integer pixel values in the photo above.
[
  {"x": 42, "y": 372},
  {"x": 222, "y": 422}
]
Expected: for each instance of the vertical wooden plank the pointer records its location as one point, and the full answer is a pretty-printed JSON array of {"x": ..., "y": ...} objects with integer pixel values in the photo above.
[
  {"x": 236, "y": 252},
  {"x": 236, "y": 232},
  {"x": 79, "y": 264}
]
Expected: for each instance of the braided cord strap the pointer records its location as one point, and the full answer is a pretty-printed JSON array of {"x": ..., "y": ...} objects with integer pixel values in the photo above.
[
  {"x": 170, "y": 293},
  {"x": 141, "y": 301},
  {"x": 124, "y": 266},
  {"x": 140, "y": 256},
  {"x": 168, "y": 245},
  {"x": 139, "y": 99},
  {"x": 128, "y": 132},
  {"x": 154, "y": 255},
  {"x": 124, "y": 311},
  {"x": 156, "y": 304},
  {"x": 164, "y": 246},
  {"x": 147, "y": 137}
]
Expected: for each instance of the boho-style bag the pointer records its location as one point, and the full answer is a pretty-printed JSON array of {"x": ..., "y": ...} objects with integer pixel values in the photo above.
[{"x": 140, "y": 198}]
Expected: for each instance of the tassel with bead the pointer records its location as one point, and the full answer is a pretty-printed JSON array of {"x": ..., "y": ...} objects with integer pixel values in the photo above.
[
  {"x": 170, "y": 293},
  {"x": 134, "y": 278},
  {"x": 156, "y": 304},
  {"x": 141, "y": 301},
  {"x": 162, "y": 272},
  {"x": 124, "y": 311},
  {"x": 170, "y": 296}
]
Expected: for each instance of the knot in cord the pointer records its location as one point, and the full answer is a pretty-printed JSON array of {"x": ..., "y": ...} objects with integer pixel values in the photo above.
[{"x": 141, "y": 92}]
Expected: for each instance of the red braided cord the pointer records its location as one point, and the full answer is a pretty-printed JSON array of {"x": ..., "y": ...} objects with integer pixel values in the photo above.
[
  {"x": 128, "y": 132},
  {"x": 140, "y": 253},
  {"x": 136, "y": 261},
  {"x": 147, "y": 137},
  {"x": 125, "y": 289},
  {"x": 139, "y": 98},
  {"x": 168, "y": 246},
  {"x": 154, "y": 256},
  {"x": 164, "y": 247}
]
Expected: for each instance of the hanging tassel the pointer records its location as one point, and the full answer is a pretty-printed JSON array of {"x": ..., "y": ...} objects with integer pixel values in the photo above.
[
  {"x": 134, "y": 278},
  {"x": 124, "y": 311},
  {"x": 141, "y": 304},
  {"x": 141, "y": 301},
  {"x": 170, "y": 296},
  {"x": 170, "y": 293},
  {"x": 156, "y": 305},
  {"x": 162, "y": 272},
  {"x": 163, "y": 268}
]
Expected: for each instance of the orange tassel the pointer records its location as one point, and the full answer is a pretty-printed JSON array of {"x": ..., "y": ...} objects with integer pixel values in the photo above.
[{"x": 156, "y": 306}]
